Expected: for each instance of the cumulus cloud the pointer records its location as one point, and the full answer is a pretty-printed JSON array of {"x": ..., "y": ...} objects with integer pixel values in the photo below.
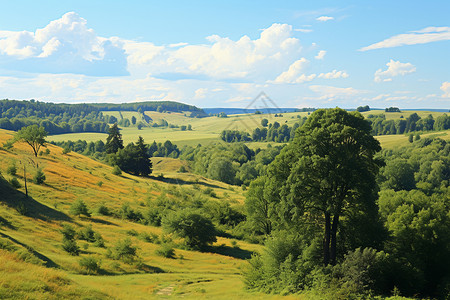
[
  {"x": 321, "y": 54},
  {"x": 295, "y": 73},
  {"x": 423, "y": 36},
  {"x": 395, "y": 68},
  {"x": 445, "y": 87},
  {"x": 333, "y": 75},
  {"x": 324, "y": 18},
  {"x": 65, "y": 45},
  {"x": 221, "y": 58}
]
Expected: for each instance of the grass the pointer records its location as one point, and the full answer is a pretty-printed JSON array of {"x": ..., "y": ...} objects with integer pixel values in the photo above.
[
  {"x": 207, "y": 130},
  {"x": 72, "y": 177}
]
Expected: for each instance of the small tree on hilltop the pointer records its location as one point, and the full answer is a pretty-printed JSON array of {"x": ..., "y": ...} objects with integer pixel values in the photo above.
[{"x": 32, "y": 135}]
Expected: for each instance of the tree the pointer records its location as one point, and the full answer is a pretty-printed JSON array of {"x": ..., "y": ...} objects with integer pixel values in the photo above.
[
  {"x": 114, "y": 141},
  {"x": 327, "y": 172},
  {"x": 133, "y": 120},
  {"x": 39, "y": 177},
  {"x": 79, "y": 208},
  {"x": 134, "y": 158},
  {"x": 32, "y": 135},
  {"x": 197, "y": 231},
  {"x": 264, "y": 122}
]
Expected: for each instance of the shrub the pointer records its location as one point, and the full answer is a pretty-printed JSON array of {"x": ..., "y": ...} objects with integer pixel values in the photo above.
[
  {"x": 12, "y": 169},
  {"x": 68, "y": 232},
  {"x": 149, "y": 237},
  {"x": 197, "y": 231},
  {"x": 182, "y": 169},
  {"x": 116, "y": 171},
  {"x": 15, "y": 183},
  {"x": 102, "y": 210},
  {"x": 66, "y": 150},
  {"x": 71, "y": 247},
  {"x": 39, "y": 177},
  {"x": 79, "y": 208},
  {"x": 91, "y": 264},
  {"x": 87, "y": 234},
  {"x": 100, "y": 183},
  {"x": 166, "y": 250},
  {"x": 98, "y": 240},
  {"x": 123, "y": 250}
]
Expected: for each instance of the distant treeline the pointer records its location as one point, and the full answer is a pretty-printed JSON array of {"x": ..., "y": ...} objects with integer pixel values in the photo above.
[
  {"x": 159, "y": 106},
  {"x": 268, "y": 133},
  {"x": 97, "y": 149},
  {"x": 55, "y": 118},
  {"x": 381, "y": 126},
  {"x": 67, "y": 118}
]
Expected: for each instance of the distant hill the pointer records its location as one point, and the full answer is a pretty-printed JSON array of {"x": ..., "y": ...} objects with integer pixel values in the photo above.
[{"x": 235, "y": 111}]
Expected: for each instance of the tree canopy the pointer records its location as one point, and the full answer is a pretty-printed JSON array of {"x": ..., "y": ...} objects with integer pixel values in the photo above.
[
  {"x": 114, "y": 140},
  {"x": 32, "y": 135},
  {"x": 328, "y": 171}
]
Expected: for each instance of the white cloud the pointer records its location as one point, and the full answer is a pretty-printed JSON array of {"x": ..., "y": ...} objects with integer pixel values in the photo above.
[
  {"x": 395, "y": 68},
  {"x": 65, "y": 45},
  {"x": 201, "y": 93},
  {"x": 321, "y": 54},
  {"x": 445, "y": 87},
  {"x": 423, "y": 36},
  {"x": 295, "y": 73},
  {"x": 324, "y": 18},
  {"x": 333, "y": 75}
]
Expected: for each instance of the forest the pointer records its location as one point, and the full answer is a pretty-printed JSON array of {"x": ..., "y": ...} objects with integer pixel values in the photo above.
[{"x": 68, "y": 118}]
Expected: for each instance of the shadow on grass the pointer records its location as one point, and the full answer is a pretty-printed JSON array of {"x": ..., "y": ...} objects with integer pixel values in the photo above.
[
  {"x": 27, "y": 205},
  {"x": 235, "y": 252},
  {"x": 100, "y": 221},
  {"x": 48, "y": 262},
  {"x": 6, "y": 223},
  {"x": 183, "y": 182}
]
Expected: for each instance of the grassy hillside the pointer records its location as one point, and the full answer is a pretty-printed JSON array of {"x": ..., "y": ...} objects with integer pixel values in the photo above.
[{"x": 33, "y": 263}]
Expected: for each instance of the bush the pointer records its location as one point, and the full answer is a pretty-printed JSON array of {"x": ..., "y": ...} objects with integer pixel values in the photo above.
[
  {"x": 12, "y": 169},
  {"x": 91, "y": 264},
  {"x": 87, "y": 234},
  {"x": 15, "y": 183},
  {"x": 68, "y": 232},
  {"x": 123, "y": 250},
  {"x": 182, "y": 169},
  {"x": 102, "y": 210},
  {"x": 165, "y": 250},
  {"x": 98, "y": 240},
  {"x": 116, "y": 171},
  {"x": 71, "y": 247},
  {"x": 66, "y": 150},
  {"x": 39, "y": 177},
  {"x": 79, "y": 208},
  {"x": 197, "y": 231}
]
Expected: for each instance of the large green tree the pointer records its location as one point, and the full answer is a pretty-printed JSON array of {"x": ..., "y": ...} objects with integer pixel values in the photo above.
[
  {"x": 327, "y": 173},
  {"x": 32, "y": 135},
  {"x": 114, "y": 140}
]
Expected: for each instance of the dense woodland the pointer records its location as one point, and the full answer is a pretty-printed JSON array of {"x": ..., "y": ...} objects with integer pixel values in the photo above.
[{"x": 67, "y": 118}]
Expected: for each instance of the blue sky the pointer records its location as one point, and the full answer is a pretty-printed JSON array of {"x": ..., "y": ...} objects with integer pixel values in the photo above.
[{"x": 300, "y": 53}]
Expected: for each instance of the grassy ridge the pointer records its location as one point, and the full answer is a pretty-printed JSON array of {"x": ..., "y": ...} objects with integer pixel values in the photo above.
[{"x": 71, "y": 177}]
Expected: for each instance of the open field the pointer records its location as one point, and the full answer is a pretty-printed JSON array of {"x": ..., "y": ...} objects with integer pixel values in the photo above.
[
  {"x": 207, "y": 130},
  {"x": 70, "y": 177}
]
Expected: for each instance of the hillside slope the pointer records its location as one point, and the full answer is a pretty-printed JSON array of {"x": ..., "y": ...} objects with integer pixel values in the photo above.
[{"x": 30, "y": 232}]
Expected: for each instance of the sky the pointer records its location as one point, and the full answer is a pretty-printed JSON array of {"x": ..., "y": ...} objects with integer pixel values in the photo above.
[{"x": 225, "y": 53}]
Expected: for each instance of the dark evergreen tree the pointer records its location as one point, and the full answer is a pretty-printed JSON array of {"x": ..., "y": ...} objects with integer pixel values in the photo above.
[{"x": 114, "y": 141}]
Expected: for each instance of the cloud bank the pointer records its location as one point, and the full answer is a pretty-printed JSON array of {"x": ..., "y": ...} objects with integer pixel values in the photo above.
[{"x": 395, "y": 68}]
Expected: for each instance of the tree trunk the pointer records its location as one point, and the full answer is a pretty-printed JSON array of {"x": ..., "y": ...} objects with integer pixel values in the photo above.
[
  {"x": 326, "y": 240},
  {"x": 334, "y": 228},
  {"x": 25, "y": 179}
]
